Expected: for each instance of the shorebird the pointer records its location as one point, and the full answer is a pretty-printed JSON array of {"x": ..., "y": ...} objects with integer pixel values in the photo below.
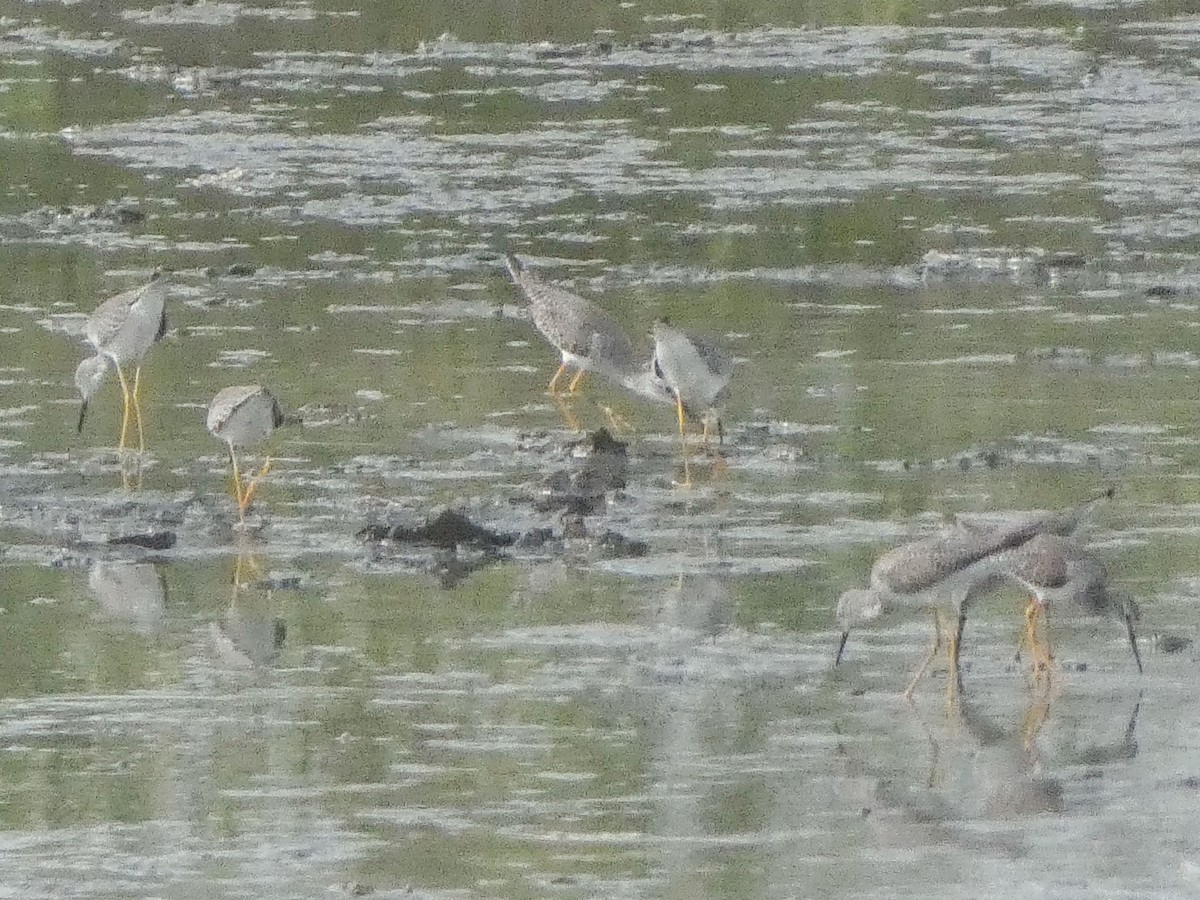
[
  {"x": 1061, "y": 575},
  {"x": 941, "y": 574},
  {"x": 121, "y": 330},
  {"x": 945, "y": 572},
  {"x": 588, "y": 339},
  {"x": 1059, "y": 547},
  {"x": 697, "y": 372},
  {"x": 241, "y": 416}
]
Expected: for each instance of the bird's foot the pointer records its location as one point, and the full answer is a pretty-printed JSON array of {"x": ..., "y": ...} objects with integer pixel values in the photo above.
[{"x": 617, "y": 423}]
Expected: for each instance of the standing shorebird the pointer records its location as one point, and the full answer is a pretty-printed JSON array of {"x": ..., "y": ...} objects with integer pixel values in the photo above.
[
  {"x": 121, "y": 330},
  {"x": 944, "y": 573},
  {"x": 697, "y": 373},
  {"x": 1061, "y": 575},
  {"x": 241, "y": 416}
]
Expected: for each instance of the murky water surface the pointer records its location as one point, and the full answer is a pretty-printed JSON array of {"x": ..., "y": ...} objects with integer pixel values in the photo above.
[{"x": 953, "y": 250}]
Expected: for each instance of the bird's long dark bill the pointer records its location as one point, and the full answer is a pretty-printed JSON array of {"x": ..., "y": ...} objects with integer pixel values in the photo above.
[
  {"x": 82, "y": 416},
  {"x": 1137, "y": 657},
  {"x": 841, "y": 646}
]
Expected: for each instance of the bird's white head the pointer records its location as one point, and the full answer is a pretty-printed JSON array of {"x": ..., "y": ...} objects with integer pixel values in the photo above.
[
  {"x": 858, "y": 607},
  {"x": 89, "y": 375},
  {"x": 647, "y": 385}
]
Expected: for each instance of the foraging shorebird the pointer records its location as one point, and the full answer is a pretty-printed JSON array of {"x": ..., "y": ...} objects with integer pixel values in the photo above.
[
  {"x": 945, "y": 572},
  {"x": 242, "y": 416},
  {"x": 1054, "y": 566},
  {"x": 697, "y": 372},
  {"x": 122, "y": 330},
  {"x": 941, "y": 574},
  {"x": 1062, "y": 575}
]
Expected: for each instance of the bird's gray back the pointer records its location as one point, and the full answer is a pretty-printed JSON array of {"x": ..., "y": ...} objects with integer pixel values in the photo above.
[
  {"x": 573, "y": 323},
  {"x": 243, "y": 414},
  {"x": 127, "y": 325},
  {"x": 694, "y": 366},
  {"x": 1054, "y": 563},
  {"x": 920, "y": 565},
  {"x": 1069, "y": 522},
  {"x": 1044, "y": 561},
  {"x": 719, "y": 363}
]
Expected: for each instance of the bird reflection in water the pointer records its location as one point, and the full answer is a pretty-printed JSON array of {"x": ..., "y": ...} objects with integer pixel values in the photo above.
[
  {"x": 699, "y": 605},
  {"x": 982, "y": 767},
  {"x": 249, "y": 635},
  {"x": 133, "y": 593},
  {"x": 246, "y": 567}
]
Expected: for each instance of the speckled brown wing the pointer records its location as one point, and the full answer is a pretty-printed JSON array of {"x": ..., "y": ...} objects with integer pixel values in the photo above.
[
  {"x": 1043, "y": 560},
  {"x": 573, "y": 323},
  {"x": 560, "y": 315},
  {"x": 609, "y": 345},
  {"x": 919, "y": 565}
]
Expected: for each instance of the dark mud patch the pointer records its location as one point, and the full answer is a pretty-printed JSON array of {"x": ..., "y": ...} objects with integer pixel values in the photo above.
[{"x": 448, "y": 530}]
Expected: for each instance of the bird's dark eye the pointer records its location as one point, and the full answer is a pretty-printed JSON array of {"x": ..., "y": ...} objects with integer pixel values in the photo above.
[{"x": 658, "y": 372}]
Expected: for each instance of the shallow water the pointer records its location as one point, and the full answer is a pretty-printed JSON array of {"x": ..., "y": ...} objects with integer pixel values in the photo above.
[{"x": 952, "y": 250}]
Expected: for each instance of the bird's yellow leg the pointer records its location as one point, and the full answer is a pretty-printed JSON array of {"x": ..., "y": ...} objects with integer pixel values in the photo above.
[
  {"x": 125, "y": 398},
  {"x": 937, "y": 645},
  {"x": 687, "y": 471},
  {"x": 137, "y": 408},
  {"x": 1029, "y": 636},
  {"x": 1035, "y": 717},
  {"x": 617, "y": 422},
  {"x": 566, "y": 412},
  {"x": 1039, "y": 651},
  {"x": 237, "y": 484},
  {"x": 952, "y": 672},
  {"x": 252, "y": 484},
  {"x": 1023, "y": 640},
  {"x": 552, "y": 387},
  {"x": 574, "y": 385}
]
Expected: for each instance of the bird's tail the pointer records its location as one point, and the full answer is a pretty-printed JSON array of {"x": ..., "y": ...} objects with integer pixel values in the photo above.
[
  {"x": 515, "y": 269},
  {"x": 1075, "y": 520},
  {"x": 1069, "y": 523}
]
